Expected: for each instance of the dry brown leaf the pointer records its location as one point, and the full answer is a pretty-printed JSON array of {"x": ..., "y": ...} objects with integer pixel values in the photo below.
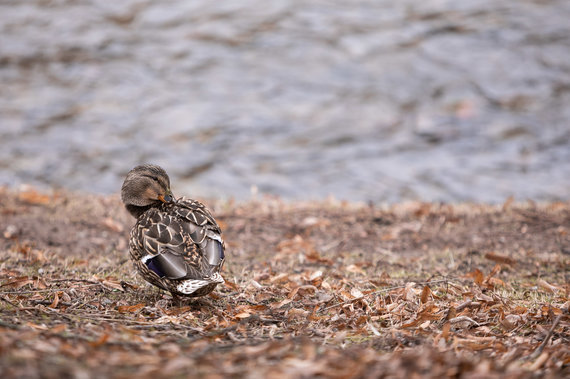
[
  {"x": 112, "y": 225},
  {"x": 496, "y": 282},
  {"x": 411, "y": 324},
  {"x": 55, "y": 301},
  {"x": 40, "y": 284},
  {"x": 280, "y": 304},
  {"x": 313, "y": 256},
  {"x": 58, "y": 328},
  {"x": 355, "y": 269},
  {"x": 428, "y": 307},
  {"x": 451, "y": 313},
  {"x": 508, "y": 203},
  {"x": 102, "y": 340},
  {"x": 424, "y": 297},
  {"x": 483, "y": 297},
  {"x": 345, "y": 295},
  {"x": 113, "y": 284},
  {"x": 445, "y": 330},
  {"x": 296, "y": 313},
  {"x": 540, "y": 361},
  {"x": 295, "y": 245},
  {"x": 303, "y": 291},
  {"x": 283, "y": 277},
  {"x": 33, "y": 197},
  {"x": 65, "y": 296},
  {"x": 292, "y": 294},
  {"x": 19, "y": 282},
  {"x": 422, "y": 209},
  {"x": 356, "y": 293},
  {"x": 509, "y": 322},
  {"x": 475, "y": 345},
  {"x": 315, "y": 275},
  {"x": 493, "y": 272},
  {"x": 177, "y": 310},
  {"x": 313, "y": 316},
  {"x": 548, "y": 287},
  {"x": 36, "y": 326},
  {"x": 477, "y": 276},
  {"x": 131, "y": 308},
  {"x": 500, "y": 258},
  {"x": 465, "y": 319},
  {"x": 425, "y": 324},
  {"x": 257, "y": 308},
  {"x": 263, "y": 296},
  {"x": 409, "y": 293},
  {"x": 317, "y": 282},
  {"x": 35, "y": 255},
  {"x": 421, "y": 318},
  {"x": 231, "y": 284},
  {"x": 242, "y": 315}
]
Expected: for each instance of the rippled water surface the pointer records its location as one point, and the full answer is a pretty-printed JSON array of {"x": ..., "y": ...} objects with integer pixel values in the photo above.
[{"x": 364, "y": 100}]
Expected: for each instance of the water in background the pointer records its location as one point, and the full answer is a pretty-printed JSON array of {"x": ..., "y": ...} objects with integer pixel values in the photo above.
[{"x": 365, "y": 100}]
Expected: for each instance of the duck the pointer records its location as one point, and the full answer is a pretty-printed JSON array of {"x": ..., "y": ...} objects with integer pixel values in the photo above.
[{"x": 175, "y": 244}]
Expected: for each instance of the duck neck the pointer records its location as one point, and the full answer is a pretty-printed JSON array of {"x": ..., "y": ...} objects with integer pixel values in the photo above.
[{"x": 136, "y": 210}]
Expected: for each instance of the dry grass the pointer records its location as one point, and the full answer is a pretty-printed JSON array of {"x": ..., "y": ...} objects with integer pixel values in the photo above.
[{"x": 329, "y": 289}]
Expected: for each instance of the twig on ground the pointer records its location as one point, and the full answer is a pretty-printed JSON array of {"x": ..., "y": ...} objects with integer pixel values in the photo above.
[
  {"x": 464, "y": 318},
  {"x": 539, "y": 350},
  {"x": 463, "y": 305},
  {"x": 5, "y": 299},
  {"x": 74, "y": 280},
  {"x": 48, "y": 290},
  {"x": 9, "y": 326},
  {"x": 48, "y": 302}
]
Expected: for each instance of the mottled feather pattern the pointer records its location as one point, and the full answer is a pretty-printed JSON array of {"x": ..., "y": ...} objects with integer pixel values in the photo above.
[
  {"x": 184, "y": 228},
  {"x": 195, "y": 212}
]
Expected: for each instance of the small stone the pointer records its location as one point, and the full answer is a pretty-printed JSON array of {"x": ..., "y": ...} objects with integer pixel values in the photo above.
[{"x": 10, "y": 231}]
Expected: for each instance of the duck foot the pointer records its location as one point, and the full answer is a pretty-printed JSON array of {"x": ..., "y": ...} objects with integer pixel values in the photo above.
[{"x": 176, "y": 300}]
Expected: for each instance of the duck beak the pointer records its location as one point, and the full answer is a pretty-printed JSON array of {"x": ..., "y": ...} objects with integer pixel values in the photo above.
[{"x": 168, "y": 198}]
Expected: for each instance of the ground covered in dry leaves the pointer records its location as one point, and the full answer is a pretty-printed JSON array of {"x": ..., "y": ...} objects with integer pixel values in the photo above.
[{"x": 329, "y": 289}]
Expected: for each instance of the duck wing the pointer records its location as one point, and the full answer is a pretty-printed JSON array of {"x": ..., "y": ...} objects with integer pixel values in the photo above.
[
  {"x": 179, "y": 241},
  {"x": 203, "y": 229}
]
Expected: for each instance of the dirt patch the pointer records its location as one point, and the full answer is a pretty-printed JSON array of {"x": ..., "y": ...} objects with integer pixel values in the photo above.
[{"x": 327, "y": 289}]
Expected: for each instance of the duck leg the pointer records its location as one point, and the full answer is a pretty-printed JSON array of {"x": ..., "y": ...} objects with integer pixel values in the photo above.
[{"x": 177, "y": 300}]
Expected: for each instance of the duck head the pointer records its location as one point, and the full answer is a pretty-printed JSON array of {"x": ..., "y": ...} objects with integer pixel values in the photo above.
[{"x": 146, "y": 186}]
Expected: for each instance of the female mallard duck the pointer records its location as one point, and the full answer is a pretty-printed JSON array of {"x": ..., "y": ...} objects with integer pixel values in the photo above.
[{"x": 175, "y": 243}]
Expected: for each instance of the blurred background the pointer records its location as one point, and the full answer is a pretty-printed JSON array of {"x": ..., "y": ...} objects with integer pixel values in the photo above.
[{"x": 377, "y": 101}]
